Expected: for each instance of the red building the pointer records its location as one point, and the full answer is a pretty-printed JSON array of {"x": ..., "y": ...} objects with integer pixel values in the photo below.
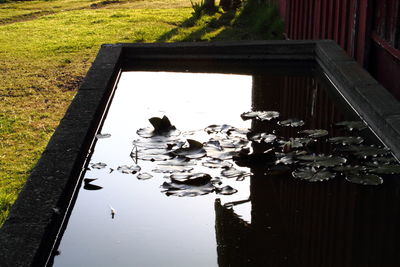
[{"x": 369, "y": 31}]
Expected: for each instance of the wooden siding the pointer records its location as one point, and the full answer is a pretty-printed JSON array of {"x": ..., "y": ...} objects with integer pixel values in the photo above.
[{"x": 368, "y": 30}]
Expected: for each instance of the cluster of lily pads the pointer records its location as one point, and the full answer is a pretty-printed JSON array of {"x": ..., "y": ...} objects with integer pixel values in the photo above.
[{"x": 227, "y": 148}]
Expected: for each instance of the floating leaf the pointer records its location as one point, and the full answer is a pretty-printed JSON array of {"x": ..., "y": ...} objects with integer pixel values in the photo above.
[
  {"x": 262, "y": 137},
  {"x": 92, "y": 187},
  {"x": 214, "y": 144},
  {"x": 313, "y": 157},
  {"x": 364, "y": 178},
  {"x": 324, "y": 161},
  {"x": 235, "y": 173},
  {"x": 162, "y": 157},
  {"x": 315, "y": 133},
  {"x": 161, "y": 124},
  {"x": 89, "y": 180},
  {"x": 291, "y": 123},
  {"x": 102, "y": 136},
  {"x": 195, "y": 150},
  {"x": 365, "y": 151},
  {"x": 184, "y": 190},
  {"x": 387, "y": 169},
  {"x": 129, "y": 169},
  {"x": 98, "y": 165},
  {"x": 217, "y": 163},
  {"x": 172, "y": 169},
  {"x": 226, "y": 190},
  {"x": 179, "y": 161},
  {"x": 214, "y": 128},
  {"x": 310, "y": 174},
  {"x": 351, "y": 125},
  {"x": 144, "y": 176},
  {"x": 255, "y": 159},
  {"x": 150, "y": 133},
  {"x": 346, "y": 140},
  {"x": 285, "y": 160},
  {"x": 191, "y": 178},
  {"x": 221, "y": 155},
  {"x": 349, "y": 168},
  {"x": 260, "y": 115}
]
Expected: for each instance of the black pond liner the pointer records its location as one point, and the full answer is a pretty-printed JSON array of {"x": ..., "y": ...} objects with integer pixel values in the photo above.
[{"x": 30, "y": 233}]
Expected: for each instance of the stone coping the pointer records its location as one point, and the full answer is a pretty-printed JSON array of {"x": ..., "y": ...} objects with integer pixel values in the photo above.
[{"x": 35, "y": 219}]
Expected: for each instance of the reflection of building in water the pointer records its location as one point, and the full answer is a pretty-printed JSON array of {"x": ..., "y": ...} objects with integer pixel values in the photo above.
[{"x": 296, "y": 223}]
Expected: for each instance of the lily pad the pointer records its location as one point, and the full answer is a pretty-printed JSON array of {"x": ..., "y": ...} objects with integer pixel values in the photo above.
[
  {"x": 184, "y": 190},
  {"x": 194, "y": 150},
  {"x": 88, "y": 186},
  {"x": 260, "y": 115},
  {"x": 262, "y": 137},
  {"x": 364, "y": 178},
  {"x": 235, "y": 173},
  {"x": 196, "y": 179},
  {"x": 102, "y": 136},
  {"x": 159, "y": 157},
  {"x": 346, "y": 140},
  {"x": 129, "y": 169},
  {"x": 365, "y": 151},
  {"x": 172, "y": 169},
  {"x": 352, "y": 125},
  {"x": 217, "y": 163},
  {"x": 315, "y": 133},
  {"x": 311, "y": 174},
  {"x": 387, "y": 169},
  {"x": 144, "y": 176},
  {"x": 226, "y": 190},
  {"x": 215, "y": 128},
  {"x": 285, "y": 160},
  {"x": 324, "y": 161},
  {"x": 349, "y": 168},
  {"x": 92, "y": 187},
  {"x": 98, "y": 165},
  {"x": 179, "y": 161},
  {"x": 291, "y": 123}
]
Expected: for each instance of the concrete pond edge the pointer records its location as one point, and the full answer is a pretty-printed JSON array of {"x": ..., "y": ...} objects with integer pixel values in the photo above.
[{"x": 34, "y": 222}]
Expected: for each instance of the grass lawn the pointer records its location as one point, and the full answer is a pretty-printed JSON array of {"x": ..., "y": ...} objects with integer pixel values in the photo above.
[{"x": 46, "y": 47}]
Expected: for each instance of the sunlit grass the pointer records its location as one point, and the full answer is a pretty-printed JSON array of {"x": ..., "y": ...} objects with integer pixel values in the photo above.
[{"x": 44, "y": 58}]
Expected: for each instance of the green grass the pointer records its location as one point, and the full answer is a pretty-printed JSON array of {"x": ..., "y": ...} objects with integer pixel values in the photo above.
[{"x": 45, "y": 56}]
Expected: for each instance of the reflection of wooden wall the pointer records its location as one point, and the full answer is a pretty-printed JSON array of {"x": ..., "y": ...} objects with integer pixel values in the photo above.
[{"x": 296, "y": 223}]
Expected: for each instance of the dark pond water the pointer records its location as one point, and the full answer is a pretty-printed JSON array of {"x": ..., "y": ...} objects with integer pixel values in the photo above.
[{"x": 265, "y": 212}]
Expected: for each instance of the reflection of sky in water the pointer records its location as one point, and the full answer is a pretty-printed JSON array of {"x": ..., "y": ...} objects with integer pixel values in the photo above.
[{"x": 151, "y": 229}]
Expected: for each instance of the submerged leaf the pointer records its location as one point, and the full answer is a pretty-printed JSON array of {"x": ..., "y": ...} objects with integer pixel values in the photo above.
[
  {"x": 364, "y": 178},
  {"x": 310, "y": 174}
]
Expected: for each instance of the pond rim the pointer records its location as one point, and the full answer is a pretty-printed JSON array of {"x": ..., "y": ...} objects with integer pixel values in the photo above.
[{"x": 34, "y": 221}]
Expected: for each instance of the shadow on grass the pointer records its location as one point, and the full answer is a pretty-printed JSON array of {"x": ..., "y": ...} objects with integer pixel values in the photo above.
[{"x": 251, "y": 22}]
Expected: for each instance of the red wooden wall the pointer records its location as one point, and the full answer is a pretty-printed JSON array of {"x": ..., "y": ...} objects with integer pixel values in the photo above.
[{"x": 369, "y": 31}]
